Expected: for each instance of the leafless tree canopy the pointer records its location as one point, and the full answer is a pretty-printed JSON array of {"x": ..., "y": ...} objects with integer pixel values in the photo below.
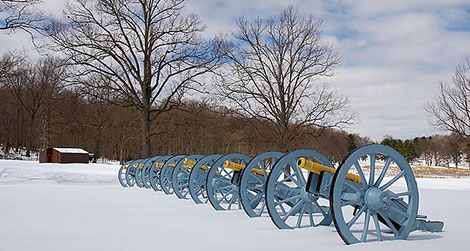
[
  {"x": 276, "y": 68},
  {"x": 19, "y": 14},
  {"x": 451, "y": 107},
  {"x": 145, "y": 51},
  {"x": 32, "y": 87},
  {"x": 8, "y": 61}
]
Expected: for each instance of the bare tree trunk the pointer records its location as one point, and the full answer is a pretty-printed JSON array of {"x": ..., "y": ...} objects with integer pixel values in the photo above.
[
  {"x": 97, "y": 152},
  {"x": 145, "y": 133},
  {"x": 29, "y": 137}
]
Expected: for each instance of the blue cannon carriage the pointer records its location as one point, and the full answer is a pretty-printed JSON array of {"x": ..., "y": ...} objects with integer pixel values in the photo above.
[{"x": 363, "y": 202}]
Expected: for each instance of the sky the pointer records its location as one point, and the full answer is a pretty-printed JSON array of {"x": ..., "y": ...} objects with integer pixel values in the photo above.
[{"x": 394, "y": 53}]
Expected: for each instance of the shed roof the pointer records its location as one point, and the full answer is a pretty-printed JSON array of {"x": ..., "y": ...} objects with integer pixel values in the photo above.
[{"x": 70, "y": 150}]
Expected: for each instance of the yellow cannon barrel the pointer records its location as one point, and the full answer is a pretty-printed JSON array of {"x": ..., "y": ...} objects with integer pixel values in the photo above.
[
  {"x": 160, "y": 164},
  {"x": 233, "y": 165},
  {"x": 259, "y": 171},
  {"x": 187, "y": 163},
  {"x": 317, "y": 168},
  {"x": 239, "y": 167}
]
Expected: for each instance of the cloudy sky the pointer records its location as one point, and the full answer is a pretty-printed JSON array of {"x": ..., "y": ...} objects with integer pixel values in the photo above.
[{"x": 394, "y": 53}]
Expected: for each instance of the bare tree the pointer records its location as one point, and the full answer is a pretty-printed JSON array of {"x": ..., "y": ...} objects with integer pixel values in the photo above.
[
  {"x": 148, "y": 51},
  {"x": 20, "y": 14},
  {"x": 8, "y": 62},
  {"x": 32, "y": 85},
  {"x": 277, "y": 64},
  {"x": 451, "y": 107}
]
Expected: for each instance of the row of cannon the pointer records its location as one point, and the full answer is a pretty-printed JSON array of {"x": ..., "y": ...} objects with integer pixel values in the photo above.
[{"x": 371, "y": 196}]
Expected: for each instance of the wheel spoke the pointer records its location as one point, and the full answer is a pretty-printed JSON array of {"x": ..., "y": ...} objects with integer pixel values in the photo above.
[
  {"x": 232, "y": 200},
  {"x": 361, "y": 174},
  {"x": 301, "y": 215},
  {"x": 320, "y": 208},
  {"x": 388, "y": 161},
  {"x": 262, "y": 207},
  {"x": 227, "y": 174},
  {"x": 372, "y": 169},
  {"x": 366, "y": 226},
  {"x": 279, "y": 202},
  {"x": 292, "y": 178},
  {"x": 389, "y": 183},
  {"x": 280, "y": 205},
  {"x": 222, "y": 188},
  {"x": 252, "y": 204},
  {"x": 378, "y": 231},
  {"x": 397, "y": 195},
  {"x": 263, "y": 167},
  {"x": 354, "y": 219},
  {"x": 389, "y": 224},
  {"x": 310, "y": 215},
  {"x": 300, "y": 175},
  {"x": 292, "y": 211},
  {"x": 356, "y": 202},
  {"x": 225, "y": 196}
]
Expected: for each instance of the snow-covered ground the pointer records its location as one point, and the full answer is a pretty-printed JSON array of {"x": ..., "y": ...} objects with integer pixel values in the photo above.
[{"x": 83, "y": 207}]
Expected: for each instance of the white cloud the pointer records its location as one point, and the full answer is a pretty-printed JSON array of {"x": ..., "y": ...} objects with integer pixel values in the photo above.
[{"x": 394, "y": 52}]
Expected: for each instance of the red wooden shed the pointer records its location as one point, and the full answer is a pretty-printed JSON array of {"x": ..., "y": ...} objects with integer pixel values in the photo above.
[{"x": 64, "y": 155}]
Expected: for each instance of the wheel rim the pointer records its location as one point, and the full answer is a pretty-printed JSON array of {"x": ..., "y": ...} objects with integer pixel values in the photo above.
[
  {"x": 166, "y": 173},
  {"x": 146, "y": 172},
  {"x": 155, "y": 173},
  {"x": 122, "y": 174},
  {"x": 138, "y": 173},
  {"x": 197, "y": 179},
  {"x": 180, "y": 177},
  {"x": 222, "y": 188},
  {"x": 288, "y": 203},
  {"x": 130, "y": 173},
  {"x": 357, "y": 207},
  {"x": 252, "y": 184}
]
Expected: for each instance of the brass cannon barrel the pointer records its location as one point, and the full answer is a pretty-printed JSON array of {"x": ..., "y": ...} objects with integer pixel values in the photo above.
[{"x": 317, "y": 168}]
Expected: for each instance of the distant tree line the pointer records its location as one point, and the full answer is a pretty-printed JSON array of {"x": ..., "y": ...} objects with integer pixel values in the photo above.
[
  {"x": 438, "y": 150},
  {"x": 38, "y": 109}
]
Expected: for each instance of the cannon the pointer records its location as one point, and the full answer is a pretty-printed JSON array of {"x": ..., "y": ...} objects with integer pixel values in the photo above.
[
  {"x": 223, "y": 180},
  {"x": 289, "y": 203},
  {"x": 130, "y": 172},
  {"x": 138, "y": 173},
  {"x": 122, "y": 173},
  {"x": 155, "y": 170},
  {"x": 145, "y": 175},
  {"x": 305, "y": 190},
  {"x": 166, "y": 173},
  {"x": 180, "y": 176}
]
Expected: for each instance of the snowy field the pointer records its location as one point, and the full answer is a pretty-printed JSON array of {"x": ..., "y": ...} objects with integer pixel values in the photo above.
[{"x": 83, "y": 207}]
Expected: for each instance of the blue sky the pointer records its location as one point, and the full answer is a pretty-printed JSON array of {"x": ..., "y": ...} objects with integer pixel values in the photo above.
[{"x": 394, "y": 53}]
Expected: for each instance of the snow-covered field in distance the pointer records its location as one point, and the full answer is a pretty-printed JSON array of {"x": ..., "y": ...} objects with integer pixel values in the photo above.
[{"x": 83, "y": 207}]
